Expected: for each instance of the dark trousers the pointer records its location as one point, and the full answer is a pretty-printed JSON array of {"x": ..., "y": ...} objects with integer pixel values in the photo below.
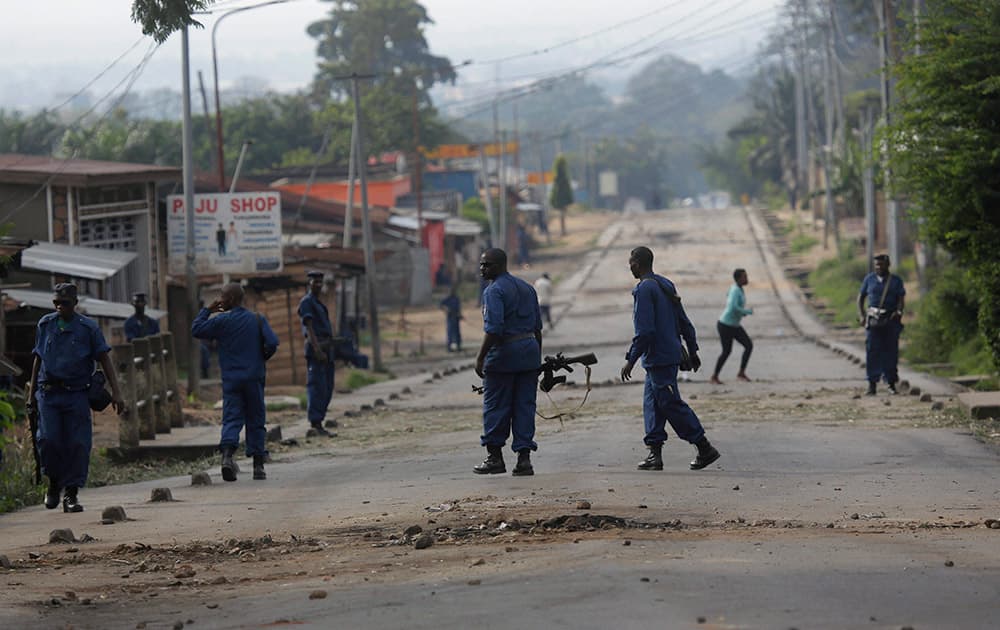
[
  {"x": 243, "y": 404},
  {"x": 65, "y": 435},
  {"x": 509, "y": 407},
  {"x": 454, "y": 332},
  {"x": 662, "y": 403},
  {"x": 546, "y": 313},
  {"x": 882, "y": 352},
  {"x": 726, "y": 335},
  {"x": 319, "y": 388}
]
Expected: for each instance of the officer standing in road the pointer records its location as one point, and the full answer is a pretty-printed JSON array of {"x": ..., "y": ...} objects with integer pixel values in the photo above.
[
  {"x": 66, "y": 346},
  {"x": 318, "y": 332},
  {"x": 886, "y": 297},
  {"x": 139, "y": 325},
  {"x": 660, "y": 321},
  {"x": 452, "y": 307},
  {"x": 508, "y": 363},
  {"x": 245, "y": 342}
]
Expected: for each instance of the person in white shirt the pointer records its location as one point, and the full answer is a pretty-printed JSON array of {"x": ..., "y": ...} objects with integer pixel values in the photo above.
[{"x": 543, "y": 287}]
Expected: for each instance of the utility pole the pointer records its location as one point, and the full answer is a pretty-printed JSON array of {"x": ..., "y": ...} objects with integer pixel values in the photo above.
[
  {"x": 417, "y": 170},
  {"x": 830, "y": 222},
  {"x": 868, "y": 183},
  {"x": 485, "y": 174},
  {"x": 502, "y": 181},
  {"x": 884, "y": 10},
  {"x": 801, "y": 140},
  {"x": 352, "y": 162},
  {"x": 366, "y": 225},
  {"x": 204, "y": 100},
  {"x": 187, "y": 145}
]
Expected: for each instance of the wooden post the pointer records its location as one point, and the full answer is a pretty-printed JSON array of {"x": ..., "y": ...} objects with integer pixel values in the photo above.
[
  {"x": 144, "y": 406},
  {"x": 291, "y": 336},
  {"x": 158, "y": 392},
  {"x": 128, "y": 423},
  {"x": 173, "y": 397}
]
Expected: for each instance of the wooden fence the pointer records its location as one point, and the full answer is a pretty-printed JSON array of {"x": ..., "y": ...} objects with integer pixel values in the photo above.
[{"x": 147, "y": 375}]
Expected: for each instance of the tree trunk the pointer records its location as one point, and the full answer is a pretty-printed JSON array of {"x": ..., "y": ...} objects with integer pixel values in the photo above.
[{"x": 562, "y": 221}]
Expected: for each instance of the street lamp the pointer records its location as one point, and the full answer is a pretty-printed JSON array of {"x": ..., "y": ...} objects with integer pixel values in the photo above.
[{"x": 220, "y": 159}]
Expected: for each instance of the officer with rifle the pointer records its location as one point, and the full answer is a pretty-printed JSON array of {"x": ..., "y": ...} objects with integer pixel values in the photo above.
[{"x": 508, "y": 363}]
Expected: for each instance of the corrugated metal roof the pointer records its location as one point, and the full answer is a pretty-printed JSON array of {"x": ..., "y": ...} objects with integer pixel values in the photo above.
[
  {"x": 36, "y": 169},
  {"x": 91, "y": 307},
  {"x": 78, "y": 262},
  {"x": 455, "y": 226}
]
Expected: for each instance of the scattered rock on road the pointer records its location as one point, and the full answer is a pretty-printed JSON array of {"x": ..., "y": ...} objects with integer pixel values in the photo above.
[
  {"x": 5, "y": 563},
  {"x": 161, "y": 495},
  {"x": 583, "y": 505},
  {"x": 184, "y": 571},
  {"x": 937, "y": 405},
  {"x": 201, "y": 479},
  {"x": 61, "y": 536},
  {"x": 423, "y": 542},
  {"x": 949, "y": 563},
  {"x": 273, "y": 434},
  {"x": 914, "y": 391},
  {"x": 317, "y": 594},
  {"x": 925, "y": 398},
  {"x": 412, "y": 530},
  {"x": 113, "y": 514}
]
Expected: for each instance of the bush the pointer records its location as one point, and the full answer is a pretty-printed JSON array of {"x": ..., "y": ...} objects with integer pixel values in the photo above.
[
  {"x": 357, "y": 379},
  {"x": 474, "y": 210},
  {"x": 802, "y": 243},
  {"x": 837, "y": 280},
  {"x": 17, "y": 474}
]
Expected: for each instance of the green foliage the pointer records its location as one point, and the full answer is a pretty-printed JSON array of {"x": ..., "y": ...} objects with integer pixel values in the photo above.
[
  {"x": 837, "y": 280},
  {"x": 17, "y": 472},
  {"x": 356, "y": 379},
  {"x": 802, "y": 243},
  {"x": 639, "y": 160},
  {"x": 561, "y": 195},
  {"x": 36, "y": 134},
  {"x": 160, "y": 18},
  {"x": 473, "y": 209},
  {"x": 945, "y": 138},
  {"x": 380, "y": 37}
]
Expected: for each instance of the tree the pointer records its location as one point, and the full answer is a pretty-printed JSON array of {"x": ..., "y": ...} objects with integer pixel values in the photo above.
[
  {"x": 945, "y": 137},
  {"x": 381, "y": 37},
  {"x": 562, "y": 191},
  {"x": 160, "y": 18}
]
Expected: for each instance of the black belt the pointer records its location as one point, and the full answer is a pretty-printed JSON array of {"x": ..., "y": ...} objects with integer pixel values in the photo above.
[
  {"x": 519, "y": 337},
  {"x": 50, "y": 385}
]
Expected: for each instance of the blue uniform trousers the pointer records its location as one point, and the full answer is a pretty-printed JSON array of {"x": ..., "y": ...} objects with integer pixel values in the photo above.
[
  {"x": 454, "y": 334},
  {"x": 509, "y": 405},
  {"x": 65, "y": 435},
  {"x": 319, "y": 388},
  {"x": 882, "y": 352},
  {"x": 662, "y": 403},
  {"x": 243, "y": 403}
]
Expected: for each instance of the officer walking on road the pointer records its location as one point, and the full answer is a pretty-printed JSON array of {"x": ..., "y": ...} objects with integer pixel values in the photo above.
[
  {"x": 508, "y": 363},
  {"x": 886, "y": 297},
  {"x": 139, "y": 325},
  {"x": 245, "y": 342},
  {"x": 66, "y": 346},
  {"x": 452, "y": 307},
  {"x": 660, "y": 322},
  {"x": 318, "y": 332}
]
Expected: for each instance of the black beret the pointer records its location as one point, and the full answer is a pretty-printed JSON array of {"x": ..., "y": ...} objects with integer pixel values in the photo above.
[{"x": 66, "y": 290}]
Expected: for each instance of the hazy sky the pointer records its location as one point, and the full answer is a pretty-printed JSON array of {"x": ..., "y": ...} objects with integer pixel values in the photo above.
[{"x": 55, "y": 47}]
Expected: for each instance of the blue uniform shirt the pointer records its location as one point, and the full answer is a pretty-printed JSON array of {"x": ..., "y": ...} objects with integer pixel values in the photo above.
[
  {"x": 145, "y": 328},
  {"x": 453, "y": 307},
  {"x": 312, "y": 308},
  {"x": 510, "y": 308},
  {"x": 68, "y": 354},
  {"x": 873, "y": 285},
  {"x": 657, "y": 338},
  {"x": 238, "y": 332}
]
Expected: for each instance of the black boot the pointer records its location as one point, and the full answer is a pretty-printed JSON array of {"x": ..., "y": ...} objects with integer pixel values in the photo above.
[
  {"x": 52, "y": 495},
  {"x": 258, "y": 467},
  {"x": 228, "y": 465},
  {"x": 871, "y": 389},
  {"x": 318, "y": 428},
  {"x": 653, "y": 461},
  {"x": 70, "y": 503},
  {"x": 892, "y": 388},
  {"x": 706, "y": 454},
  {"x": 523, "y": 467},
  {"x": 493, "y": 464}
]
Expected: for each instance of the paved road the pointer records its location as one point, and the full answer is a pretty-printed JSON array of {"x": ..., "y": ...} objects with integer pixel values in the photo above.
[{"x": 825, "y": 511}]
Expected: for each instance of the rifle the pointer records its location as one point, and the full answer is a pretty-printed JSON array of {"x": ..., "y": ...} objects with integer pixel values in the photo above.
[
  {"x": 32, "y": 412},
  {"x": 551, "y": 365}
]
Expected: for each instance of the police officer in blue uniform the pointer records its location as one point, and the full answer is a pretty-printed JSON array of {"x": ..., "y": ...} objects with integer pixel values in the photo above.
[
  {"x": 452, "y": 307},
  {"x": 318, "y": 332},
  {"x": 245, "y": 340},
  {"x": 659, "y": 321},
  {"x": 508, "y": 363},
  {"x": 139, "y": 325},
  {"x": 882, "y": 337},
  {"x": 66, "y": 346}
]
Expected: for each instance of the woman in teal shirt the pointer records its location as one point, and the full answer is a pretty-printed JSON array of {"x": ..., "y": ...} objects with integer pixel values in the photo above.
[{"x": 729, "y": 327}]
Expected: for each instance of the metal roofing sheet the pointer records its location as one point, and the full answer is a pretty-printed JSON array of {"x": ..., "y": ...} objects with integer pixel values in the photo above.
[
  {"x": 91, "y": 307},
  {"x": 78, "y": 262}
]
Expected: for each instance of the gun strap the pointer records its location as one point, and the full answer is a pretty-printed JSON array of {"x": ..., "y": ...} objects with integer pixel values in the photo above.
[{"x": 560, "y": 414}]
